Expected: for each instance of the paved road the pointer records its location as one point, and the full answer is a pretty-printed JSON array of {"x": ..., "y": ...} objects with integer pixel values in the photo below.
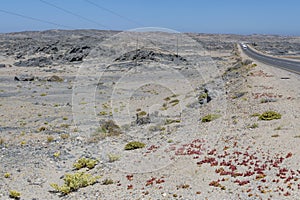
[{"x": 289, "y": 65}]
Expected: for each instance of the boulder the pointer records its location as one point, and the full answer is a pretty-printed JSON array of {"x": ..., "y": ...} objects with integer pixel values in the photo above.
[
  {"x": 24, "y": 77},
  {"x": 55, "y": 78}
]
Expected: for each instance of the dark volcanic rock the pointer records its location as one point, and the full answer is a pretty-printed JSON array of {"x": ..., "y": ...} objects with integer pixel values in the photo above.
[
  {"x": 34, "y": 62},
  {"x": 150, "y": 55},
  {"x": 3, "y": 65},
  {"x": 24, "y": 78},
  {"x": 55, "y": 78},
  {"x": 77, "y": 54}
]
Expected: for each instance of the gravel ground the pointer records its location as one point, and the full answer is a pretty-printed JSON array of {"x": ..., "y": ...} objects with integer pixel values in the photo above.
[{"x": 56, "y": 109}]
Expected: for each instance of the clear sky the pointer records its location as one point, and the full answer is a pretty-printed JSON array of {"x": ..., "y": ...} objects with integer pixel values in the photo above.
[{"x": 203, "y": 16}]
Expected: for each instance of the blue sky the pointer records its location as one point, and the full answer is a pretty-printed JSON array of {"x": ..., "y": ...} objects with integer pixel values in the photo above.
[{"x": 203, "y": 16}]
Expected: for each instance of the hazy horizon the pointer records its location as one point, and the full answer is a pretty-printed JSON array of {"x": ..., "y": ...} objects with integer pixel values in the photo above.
[{"x": 215, "y": 17}]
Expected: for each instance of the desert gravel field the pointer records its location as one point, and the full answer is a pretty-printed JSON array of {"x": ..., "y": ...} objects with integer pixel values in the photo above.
[{"x": 90, "y": 114}]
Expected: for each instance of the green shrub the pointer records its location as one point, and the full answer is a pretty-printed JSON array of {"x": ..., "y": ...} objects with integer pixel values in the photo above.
[
  {"x": 113, "y": 157},
  {"x": 85, "y": 162},
  {"x": 14, "y": 194},
  {"x": 142, "y": 113},
  {"x": 64, "y": 136},
  {"x": 134, "y": 145},
  {"x": 50, "y": 139},
  {"x": 278, "y": 128},
  {"x": 108, "y": 182},
  {"x": 7, "y": 175},
  {"x": 210, "y": 117},
  {"x": 203, "y": 96},
  {"x": 73, "y": 182},
  {"x": 270, "y": 115},
  {"x": 102, "y": 113},
  {"x": 255, "y": 125},
  {"x": 2, "y": 141},
  {"x": 110, "y": 128},
  {"x": 174, "y": 102},
  {"x": 171, "y": 121},
  {"x": 255, "y": 115},
  {"x": 42, "y": 128}
]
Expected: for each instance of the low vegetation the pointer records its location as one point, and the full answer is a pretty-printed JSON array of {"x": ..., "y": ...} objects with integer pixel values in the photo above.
[
  {"x": 14, "y": 194},
  {"x": 50, "y": 139},
  {"x": 253, "y": 126},
  {"x": 171, "y": 121},
  {"x": 107, "y": 182},
  {"x": 134, "y": 145},
  {"x": 73, "y": 182},
  {"x": 7, "y": 175},
  {"x": 270, "y": 115},
  {"x": 113, "y": 157},
  {"x": 2, "y": 141},
  {"x": 110, "y": 128},
  {"x": 210, "y": 117},
  {"x": 85, "y": 162},
  {"x": 64, "y": 136}
]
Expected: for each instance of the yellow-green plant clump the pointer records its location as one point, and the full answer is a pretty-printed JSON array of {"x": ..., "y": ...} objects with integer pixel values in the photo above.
[
  {"x": 73, "y": 182},
  {"x": 14, "y": 194},
  {"x": 85, "y": 162},
  {"x": 210, "y": 117},
  {"x": 134, "y": 145},
  {"x": 269, "y": 115},
  {"x": 113, "y": 157}
]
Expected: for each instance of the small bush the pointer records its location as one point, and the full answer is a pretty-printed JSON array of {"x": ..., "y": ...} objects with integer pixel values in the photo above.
[
  {"x": 210, "y": 117},
  {"x": 167, "y": 99},
  {"x": 270, "y": 115},
  {"x": 102, "y": 113},
  {"x": 56, "y": 154},
  {"x": 255, "y": 115},
  {"x": 278, "y": 128},
  {"x": 203, "y": 96},
  {"x": 268, "y": 100},
  {"x": 73, "y": 182},
  {"x": 50, "y": 139},
  {"x": 275, "y": 135},
  {"x": 107, "y": 182},
  {"x": 14, "y": 194},
  {"x": 65, "y": 125},
  {"x": 255, "y": 125},
  {"x": 42, "y": 128},
  {"x": 85, "y": 162},
  {"x": 110, "y": 128},
  {"x": 7, "y": 175},
  {"x": 171, "y": 121},
  {"x": 134, "y": 145},
  {"x": 2, "y": 141},
  {"x": 142, "y": 113},
  {"x": 113, "y": 157},
  {"x": 174, "y": 102},
  {"x": 64, "y": 136}
]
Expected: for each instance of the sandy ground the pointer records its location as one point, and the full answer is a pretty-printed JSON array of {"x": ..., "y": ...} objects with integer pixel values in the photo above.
[{"x": 236, "y": 156}]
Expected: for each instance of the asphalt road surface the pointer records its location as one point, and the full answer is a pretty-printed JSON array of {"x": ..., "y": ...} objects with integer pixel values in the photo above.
[{"x": 289, "y": 65}]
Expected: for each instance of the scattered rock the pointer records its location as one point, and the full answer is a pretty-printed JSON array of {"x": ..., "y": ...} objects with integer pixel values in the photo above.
[
  {"x": 151, "y": 55},
  {"x": 55, "y": 78},
  {"x": 34, "y": 62},
  {"x": 24, "y": 78},
  {"x": 204, "y": 97},
  {"x": 141, "y": 120}
]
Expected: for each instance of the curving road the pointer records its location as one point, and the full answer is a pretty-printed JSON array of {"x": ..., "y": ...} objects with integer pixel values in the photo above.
[{"x": 292, "y": 66}]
